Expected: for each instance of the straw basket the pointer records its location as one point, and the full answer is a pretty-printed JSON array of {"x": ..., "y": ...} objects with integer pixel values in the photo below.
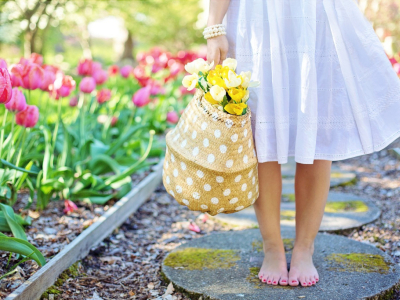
[{"x": 210, "y": 162}]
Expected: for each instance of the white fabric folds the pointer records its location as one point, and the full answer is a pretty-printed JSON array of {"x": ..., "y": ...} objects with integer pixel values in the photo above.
[{"x": 327, "y": 90}]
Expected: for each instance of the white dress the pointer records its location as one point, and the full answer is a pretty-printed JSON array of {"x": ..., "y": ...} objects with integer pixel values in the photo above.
[{"x": 328, "y": 90}]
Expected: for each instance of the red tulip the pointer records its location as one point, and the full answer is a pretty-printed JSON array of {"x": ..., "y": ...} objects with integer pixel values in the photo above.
[
  {"x": 3, "y": 63},
  {"x": 69, "y": 207},
  {"x": 32, "y": 76},
  {"x": 103, "y": 95},
  {"x": 85, "y": 67},
  {"x": 36, "y": 58},
  {"x": 172, "y": 117},
  {"x": 87, "y": 85},
  {"x": 114, "y": 120},
  {"x": 28, "y": 117},
  {"x": 63, "y": 86},
  {"x": 142, "y": 96},
  {"x": 17, "y": 102},
  {"x": 113, "y": 70},
  {"x": 16, "y": 72},
  {"x": 140, "y": 74},
  {"x": 100, "y": 76},
  {"x": 5, "y": 86},
  {"x": 73, "y": 101},
  {"x": 126, "y": 71}
]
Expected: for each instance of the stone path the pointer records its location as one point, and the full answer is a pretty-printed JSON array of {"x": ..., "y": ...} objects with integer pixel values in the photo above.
[
  {"x": 343, "y": 212},
  {"x": 225, "y": 266}
]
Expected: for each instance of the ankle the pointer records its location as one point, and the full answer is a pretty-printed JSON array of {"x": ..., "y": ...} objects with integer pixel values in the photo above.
[
  {"x": 303, "y": 247},
  {"x": 273, "y": 246}
]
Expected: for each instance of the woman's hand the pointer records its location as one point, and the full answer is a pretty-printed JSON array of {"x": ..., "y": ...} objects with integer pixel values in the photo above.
[{"x": 217, "y": 48}]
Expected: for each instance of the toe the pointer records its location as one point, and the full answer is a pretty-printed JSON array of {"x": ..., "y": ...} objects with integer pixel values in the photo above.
[
  {"x": 303, "y": 281},
  {"x": 275, "y": 280},
  {"x": 283, "y": 280},
  {"x": 293, "y": 279}
]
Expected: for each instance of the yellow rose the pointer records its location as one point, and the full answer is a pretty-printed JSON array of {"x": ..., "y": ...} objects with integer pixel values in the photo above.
[
  {"x": 235, "y": 109},
  {"x": 210, "y": 99},
  {"x": 190, "y": 81},
  {"x": 233, "y": 80},
  {"x": 236, "y": 94},
  {"x": 217, "y": 93}
]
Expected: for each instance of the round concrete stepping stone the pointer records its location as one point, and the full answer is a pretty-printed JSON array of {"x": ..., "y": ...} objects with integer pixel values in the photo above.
[
  {"x": 342, "y": 212},
  {"x": 225, "y": 266}
]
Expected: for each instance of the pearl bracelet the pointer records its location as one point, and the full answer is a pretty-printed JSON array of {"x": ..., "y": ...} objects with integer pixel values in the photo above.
[{"x": 214, "y": 30}]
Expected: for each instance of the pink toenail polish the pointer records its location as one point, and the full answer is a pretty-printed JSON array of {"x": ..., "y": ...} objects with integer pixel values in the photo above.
[
  {"x": 293, "y": 280},
  {"x": 283, "y": 280},
  {"x": 274, "y": 281}
]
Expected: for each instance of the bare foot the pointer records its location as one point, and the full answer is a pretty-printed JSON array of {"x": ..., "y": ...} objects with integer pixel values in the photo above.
[
  {"x": 302, "y": 270},
  {"x": 274, "y": 266}
]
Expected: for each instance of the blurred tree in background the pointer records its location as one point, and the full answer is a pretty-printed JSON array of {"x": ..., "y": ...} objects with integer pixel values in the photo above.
[{"x": 52, "y": 27}]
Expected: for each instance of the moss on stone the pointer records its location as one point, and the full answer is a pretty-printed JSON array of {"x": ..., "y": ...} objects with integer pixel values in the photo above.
[
  {"x": 346, "y": 206},
  {"x": 201, "y": 258},
  {"x": 72, "y": 272},
  {"x": 288, "y": 215},
  {"x": 358, "y": 262},
  {"x": 289, "y": 197}
]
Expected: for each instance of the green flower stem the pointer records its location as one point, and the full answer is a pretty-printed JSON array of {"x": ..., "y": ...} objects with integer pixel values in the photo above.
[
  {"x": 2, "y": 133},
  {"x": 11, "y": 147},
  {"x": 22, "y": 144},
  {"x": 82, "y": 124},
  {"x": 55, "y": 132}
]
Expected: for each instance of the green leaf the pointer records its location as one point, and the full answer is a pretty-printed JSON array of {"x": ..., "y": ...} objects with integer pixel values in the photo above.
[
  {"x": 22, "y": 178},
  {"x": 99, "y": 200},
  {"x": 22, "y": 247},
  {"x": 103, "y": 163},
  {"x": 16, "y": 228},
  {"x": 12, "y": 166},
  {"x": 122, "y": 139}
]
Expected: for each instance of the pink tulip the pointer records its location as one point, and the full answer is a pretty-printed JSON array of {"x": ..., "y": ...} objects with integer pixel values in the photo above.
[
  {"x": 36, "y": 58},
  {"x": 73, "y": 101},
  {"x": 172, "y": 117},
  {"x": 113, "y": 70},
  {"x": 28, "y": 117},
  {"x": 16, "y": 75},
  {"x": 5, "y": 86},
  {"x": 69, "y": 207},
  {"x": 140, "y": 74},
  {"x": 100, "y": 76},
  {"x": 3, "y": 63},
  {"x": 49, "y": 76},
  {"x": 17, "y": 102},
  {"x": 142, "y": 96},
  {"x": 87, "y": 85},
  {"x": 96, "y": 66},
  {"x": 103, "y": 95},
  {"x": 85, "y": 67},
  {"x": 63, "y": 86},
  {"x": 114, "y": 120},
  {"x": 181, "y": 111},
  {"x": 193, "y": 227},
  {"x": 156, "y": 88},
  {"x": 126, "y": 71},
  {"x": 32, "y": 76},
  {"x": 184, "y": 91}
]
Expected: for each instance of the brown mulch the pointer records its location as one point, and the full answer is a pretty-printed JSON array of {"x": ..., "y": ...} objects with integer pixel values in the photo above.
[{"x": 50, "y": 232}]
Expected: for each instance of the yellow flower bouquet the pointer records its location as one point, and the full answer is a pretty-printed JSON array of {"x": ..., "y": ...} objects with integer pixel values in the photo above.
[{"x": 222, "y": 87}]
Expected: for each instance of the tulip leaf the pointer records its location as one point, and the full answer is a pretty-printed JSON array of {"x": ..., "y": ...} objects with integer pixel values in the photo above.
[
  {"x": 12, "y": 166},
  {"x": 102, "y": 163},
  {"x": 19, "y": 246},
  {"x": 22, "y": 178},
  {"x": 123, "y": 138},
  {"x": 16, "y": 228}
]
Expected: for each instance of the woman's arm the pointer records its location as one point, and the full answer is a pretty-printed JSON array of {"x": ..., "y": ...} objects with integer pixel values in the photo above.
[{"x": 217, "y": 47}]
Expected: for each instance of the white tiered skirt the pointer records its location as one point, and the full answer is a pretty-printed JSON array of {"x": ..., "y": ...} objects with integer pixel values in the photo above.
[{"x": 328, "y": 90}]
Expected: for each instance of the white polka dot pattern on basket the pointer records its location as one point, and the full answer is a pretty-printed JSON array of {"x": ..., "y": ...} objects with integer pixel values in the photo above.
[
  {"x": 207, "y": 187},
  {"x": 254, "y": 200},
  {"x": 222, "y": 148},
  {"x": 166, "y": 164},
  {"x": 196, "y": 195},
  {"x": 220, "y": 210},
  {"x": 167, "y": 180},
  {"x": 172, "y": 158},
  {"x": 211, "y": 158},
  {"x": 195, "y": 118},
  {"x": 189, "y": 181},
  {"x": 214, "y": 200},
  {"x": 203, "y": 206},
  {"x": 243, "y": 123},
  {"x": 203, "y": 126},
  {"x": 227, "y": 192},
  {"x": 239, "y": 207},
  {"x": 250, "y": 173},
  {"x": 206, "y": 143},
  {"x": 195, "y": 151},
  {"x": 217, "y": 133},
  {"x": 234, "y": 137},
  {"x": 183, "y": 166},
  {"x": 253, "y": 180},
  {"x": 186, "y": 202},
  {"x": 240, "y": 149},
  {"x": 219, "y": 179},
  {"x": 186, "y": 128},
  {"x": 249, "y": 195},
  {"x": 237, "y": 179},
  {"x": 175, "y": 172},
  {"x": 245, "y": 159},
  {"x": 233, "y": 200},
  {"x": 183, "y": 144},
  {"x": 249, "y": 144},
  {"x": 194, "y": 134},
  {"x": 244, "y": 187},
  {"x": 215, "y": 116},
  {"x": 200, "y": 173},
  {"x": 229, "y": 163},
  {"x": 179, "y": 189},
  {"x": 245, "y": 132},
  {"x": 228, "y": 123}
]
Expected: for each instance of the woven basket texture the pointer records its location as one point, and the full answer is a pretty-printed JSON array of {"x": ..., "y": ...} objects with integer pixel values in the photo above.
[{"x": 210, "y": 162}]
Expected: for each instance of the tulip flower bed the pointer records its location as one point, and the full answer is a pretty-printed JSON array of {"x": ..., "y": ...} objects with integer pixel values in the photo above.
[{"x": 72, "y": 145}]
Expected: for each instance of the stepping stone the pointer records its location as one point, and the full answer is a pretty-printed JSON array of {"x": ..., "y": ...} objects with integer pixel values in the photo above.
[
  {"x": 342, "y": 212},
  {"x": 225, "y": 266}
]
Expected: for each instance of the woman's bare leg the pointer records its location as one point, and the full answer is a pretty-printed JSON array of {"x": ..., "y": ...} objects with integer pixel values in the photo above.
[
  {"x": 267, "y": 207},
  {"x": 311, "y": 192}
]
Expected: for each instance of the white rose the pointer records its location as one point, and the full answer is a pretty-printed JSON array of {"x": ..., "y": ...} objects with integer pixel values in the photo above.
[
  {"x": 198, "y": 65},
  {"x": 190, "y": 81},
  {"x": 246, "y": 78},
  {"x": 231, "y": 63},
  {"x": 217, "y": 93},
  {"x": 233, "y": 80}
]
